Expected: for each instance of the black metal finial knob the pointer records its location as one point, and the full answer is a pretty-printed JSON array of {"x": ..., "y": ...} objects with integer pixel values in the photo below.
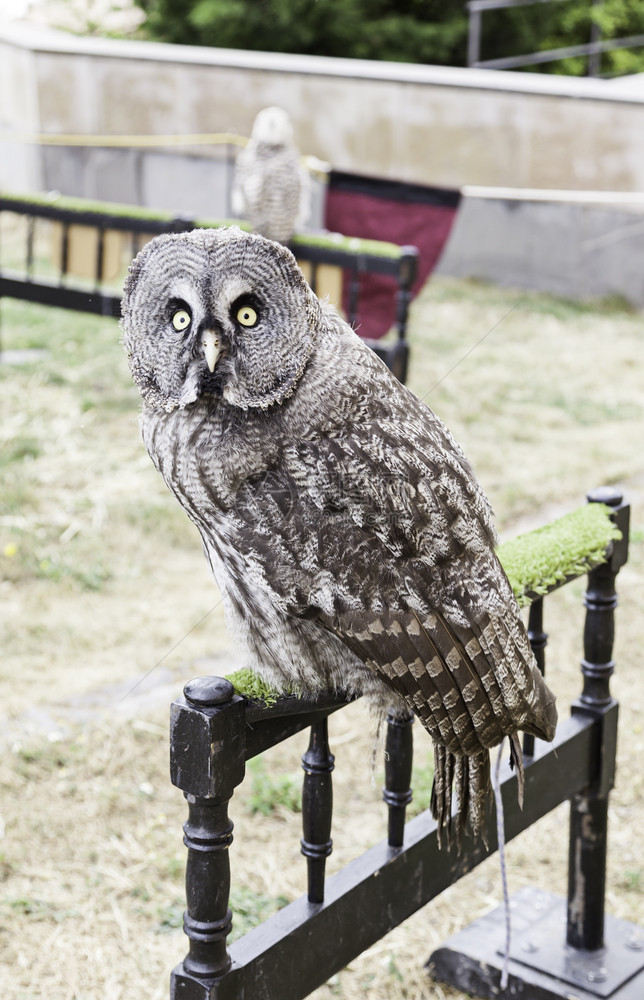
[
  {"x": 609, "y": 495},
  {"x": 208, "y": 691}
]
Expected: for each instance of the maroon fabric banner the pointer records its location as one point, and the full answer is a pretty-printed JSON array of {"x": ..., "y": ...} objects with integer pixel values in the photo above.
[{"x": 406, "y": 214}]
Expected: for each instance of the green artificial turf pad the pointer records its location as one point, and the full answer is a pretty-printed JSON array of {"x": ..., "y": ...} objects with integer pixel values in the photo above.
[
  {"x": 248, "y": 684},
  {"x": 541, "y": 559}
]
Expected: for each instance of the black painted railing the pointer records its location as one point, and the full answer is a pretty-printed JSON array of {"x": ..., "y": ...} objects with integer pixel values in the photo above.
[
  {"x": 24, "y": 274},
  {"x": 215, "y": 731}
]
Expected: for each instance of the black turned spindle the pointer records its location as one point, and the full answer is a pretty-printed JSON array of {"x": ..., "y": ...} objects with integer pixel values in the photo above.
[
  {"x": 207, "y": 762},
  {"x": 589, "y": 809},
  {"x": 100, "y": 257},
  {"x": 207, "y": 920},
  {"x": 64, "y": 253},
  {"x": 538, "y": 641},
  {"x": 354, "y": 292},
  {"x": 317, "y": 808},
  {"x": 399, "y": 752},
  {"x": 407, "y": 274}
]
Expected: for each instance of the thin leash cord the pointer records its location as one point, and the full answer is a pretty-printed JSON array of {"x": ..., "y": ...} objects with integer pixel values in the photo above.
[{"x": 500, "y": 833}]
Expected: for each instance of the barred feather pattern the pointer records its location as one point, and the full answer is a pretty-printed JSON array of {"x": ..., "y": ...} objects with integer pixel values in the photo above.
[{"x": 351, "y": 541}]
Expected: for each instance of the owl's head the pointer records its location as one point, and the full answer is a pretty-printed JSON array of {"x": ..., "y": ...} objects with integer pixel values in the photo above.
[
  {"x": 272, "y": 127},
  {"x": 218, "y": 312}
]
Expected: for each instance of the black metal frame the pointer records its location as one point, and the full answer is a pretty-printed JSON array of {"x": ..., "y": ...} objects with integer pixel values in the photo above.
[
  {"x": 593, "y": 49},
  {"x": 401, "y": 265},
  {"x": 214, "y": 732}
]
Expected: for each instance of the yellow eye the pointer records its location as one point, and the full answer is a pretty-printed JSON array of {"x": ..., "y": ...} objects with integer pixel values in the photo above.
[
  {"x": 247, "y": 316},
  {"x": 181, "y": 320}
]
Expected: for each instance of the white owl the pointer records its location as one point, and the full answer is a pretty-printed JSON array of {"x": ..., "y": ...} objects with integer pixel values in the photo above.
[{"x": 270, "y": 188}]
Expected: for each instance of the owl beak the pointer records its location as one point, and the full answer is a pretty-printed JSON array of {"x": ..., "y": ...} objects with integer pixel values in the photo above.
[{"x": 211, "y": 348}]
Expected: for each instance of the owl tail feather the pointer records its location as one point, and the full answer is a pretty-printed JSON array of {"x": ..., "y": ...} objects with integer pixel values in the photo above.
[
  {"x": 469, "y": 778},
  {"x": 516, "y": 763}
]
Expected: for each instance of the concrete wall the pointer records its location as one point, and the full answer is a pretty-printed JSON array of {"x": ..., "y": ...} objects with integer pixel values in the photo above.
[
  {"x": 577, "y": 245},
  {"x": 429, "y": 124}
]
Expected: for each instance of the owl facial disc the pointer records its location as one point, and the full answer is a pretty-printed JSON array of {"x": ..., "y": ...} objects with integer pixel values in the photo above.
[{"x": 211, "y": 348}]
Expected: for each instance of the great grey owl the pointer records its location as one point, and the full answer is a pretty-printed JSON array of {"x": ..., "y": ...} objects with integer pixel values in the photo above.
[
  {"x": 352, "y": 544},
  {"x": 270, "y": 189}
]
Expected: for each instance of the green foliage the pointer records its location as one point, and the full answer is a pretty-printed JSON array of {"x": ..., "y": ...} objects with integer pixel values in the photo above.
[
  {"x": 400, "y": 30},
  {"x": 420, "y": 31},
  {"x": 248, "y": 684},
  {"x": 632, "y": 880},
  {"x": 422, "y": 779}
]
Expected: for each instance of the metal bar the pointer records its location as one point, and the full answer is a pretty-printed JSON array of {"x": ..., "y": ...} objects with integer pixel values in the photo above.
[
  {"x": 317, "y": 808},
  {"x": 588, "y": 842},
  {"x": 594, "y": 57},
  {"x": 48, "y": 294},
  {"x": 81, "y": 217},
  {"x": 406, "y": 276},
  {"x": 376, "y": 263},
  {"x": 388, "y": 262},
  {"x": 474, "y": 35},
  {"x": 399, "y": 755},
  {"x": 568, "y": 52},
  {"x": 100, "y": 256},
  {"x": 587, "y": 872},
  {"x": 64, "y": 254},
  {"x": 230, "y": 174},
  {"x": 538, "y": 641},
  {"x": 481, "y": 5},
  {"x": 354, "y": 292}
]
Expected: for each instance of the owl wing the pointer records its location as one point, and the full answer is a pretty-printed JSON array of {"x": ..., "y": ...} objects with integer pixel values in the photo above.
[
  {"x": 435, "y": 616},
  {"x": 389, "y": 544},
  {"x": 382, "y": 536}
]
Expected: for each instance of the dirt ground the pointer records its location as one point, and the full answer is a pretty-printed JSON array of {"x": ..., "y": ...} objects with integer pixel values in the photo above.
[{"x": 108, "y": 609}]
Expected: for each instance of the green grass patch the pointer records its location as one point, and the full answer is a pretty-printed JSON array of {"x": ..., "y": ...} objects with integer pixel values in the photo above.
[
  {"x": 248, "y": 684},
  {"x": 251, "y": 908},
  {"x": 269, "y": 792}
]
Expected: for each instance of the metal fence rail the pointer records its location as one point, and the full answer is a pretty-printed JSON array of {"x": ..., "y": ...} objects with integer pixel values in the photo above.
[
  {"x": 78, "y": 219},
  {"x": 215, "y": 731},
  {"x": 593, "y": 48}
]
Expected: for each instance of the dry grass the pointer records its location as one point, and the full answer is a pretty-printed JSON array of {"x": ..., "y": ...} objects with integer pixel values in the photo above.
[{"x": 104, "y": 583}]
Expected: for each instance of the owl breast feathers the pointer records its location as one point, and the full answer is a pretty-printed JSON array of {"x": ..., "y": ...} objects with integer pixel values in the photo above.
[{"x": 351, "y": 541}]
